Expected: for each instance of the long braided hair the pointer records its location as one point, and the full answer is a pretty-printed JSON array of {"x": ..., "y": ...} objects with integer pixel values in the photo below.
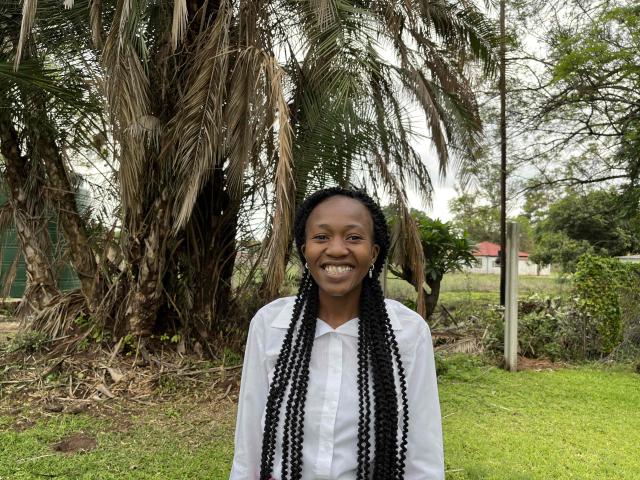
[{"x": 377, "y": 354}]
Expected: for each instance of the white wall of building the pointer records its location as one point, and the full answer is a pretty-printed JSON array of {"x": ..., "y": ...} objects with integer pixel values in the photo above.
[{"x": 489, "y": 265}]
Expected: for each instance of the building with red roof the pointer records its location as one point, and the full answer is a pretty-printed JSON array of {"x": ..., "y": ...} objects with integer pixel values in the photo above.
[{"x": 487, "y": 254}]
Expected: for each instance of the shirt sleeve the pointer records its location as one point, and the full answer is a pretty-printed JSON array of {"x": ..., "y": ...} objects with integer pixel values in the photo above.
[
  {"x": 254, "y": 389},
  {"x": 425, "y": 453}
]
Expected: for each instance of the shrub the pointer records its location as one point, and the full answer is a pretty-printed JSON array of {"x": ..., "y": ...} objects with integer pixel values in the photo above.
[{"x": 601, "y": 285}]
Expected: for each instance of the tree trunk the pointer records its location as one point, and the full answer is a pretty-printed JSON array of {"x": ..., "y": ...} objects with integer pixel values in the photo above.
[
  {"x": 431, "y": 298},
  {"x": 146, "y": 298},
  {"x": 30, "y": 222},
  {"x": 60, "y": 191},
  {"x": 216, "y": 218}
]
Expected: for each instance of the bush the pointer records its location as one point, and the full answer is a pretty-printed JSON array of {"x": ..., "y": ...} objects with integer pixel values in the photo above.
[
  {"x": 548, "y": 327},
  {"x": 603, "y": 286},
  {"x": 601, "y": 317}
]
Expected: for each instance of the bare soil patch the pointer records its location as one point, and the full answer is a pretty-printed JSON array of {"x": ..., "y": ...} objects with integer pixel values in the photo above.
[
  {"x": 78, "y": 442},
  {"x": 8, "y": 330}
]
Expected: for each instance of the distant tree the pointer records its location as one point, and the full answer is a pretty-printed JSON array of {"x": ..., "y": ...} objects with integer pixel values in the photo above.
[
  {"x": 446, "y": 249},
  {"x": 481, "y": 221},
  {"x": 592, "y": 222}
]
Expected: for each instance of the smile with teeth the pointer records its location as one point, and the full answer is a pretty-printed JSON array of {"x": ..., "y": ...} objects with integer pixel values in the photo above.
[{"x": 337, "y": 269}]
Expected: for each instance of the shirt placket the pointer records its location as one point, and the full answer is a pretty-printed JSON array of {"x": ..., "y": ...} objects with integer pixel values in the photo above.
[{"x": 329, "y": 407}]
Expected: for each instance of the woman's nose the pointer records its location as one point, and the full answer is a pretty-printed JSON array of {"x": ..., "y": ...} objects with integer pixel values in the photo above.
[{"x": 337, "y": 248}]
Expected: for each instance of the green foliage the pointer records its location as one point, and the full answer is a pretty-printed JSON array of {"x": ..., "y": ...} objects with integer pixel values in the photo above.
[
  {"x": 556, "y": 248},
  {"x": 28, "y": 342},
  {"x": 481, "y": 222},
  {"x": 599, "y": 283},
  {"x": 594, "y": 222},
  {"x": 446, "y": 249},
  {"x": 230, "y": 358},
  {"x": 550, "y": 327}
]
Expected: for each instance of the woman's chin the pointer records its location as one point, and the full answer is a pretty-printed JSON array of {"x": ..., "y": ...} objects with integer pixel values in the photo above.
[{"x": 333, "y": 290}]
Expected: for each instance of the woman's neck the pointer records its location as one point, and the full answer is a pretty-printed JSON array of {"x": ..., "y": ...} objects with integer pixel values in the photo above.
[{"x": 336, "y": 311}]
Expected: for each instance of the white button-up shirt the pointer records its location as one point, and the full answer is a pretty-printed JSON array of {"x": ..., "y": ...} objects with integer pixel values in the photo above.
[{"x": 331, "y": 413}]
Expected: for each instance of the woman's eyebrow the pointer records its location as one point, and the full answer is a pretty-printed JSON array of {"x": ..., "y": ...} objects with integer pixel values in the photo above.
[{"x": 329, "y": 227}]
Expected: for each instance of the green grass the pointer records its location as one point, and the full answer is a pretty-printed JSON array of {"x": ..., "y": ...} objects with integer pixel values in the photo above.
[
  {"x": 576, "y": 423},
  {"x": 168, "y": 441},
  {"x": 474, "y": 287}
]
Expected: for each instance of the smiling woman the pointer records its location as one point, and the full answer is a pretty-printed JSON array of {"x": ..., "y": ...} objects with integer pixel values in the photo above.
[{"x": 356, "y": 370}]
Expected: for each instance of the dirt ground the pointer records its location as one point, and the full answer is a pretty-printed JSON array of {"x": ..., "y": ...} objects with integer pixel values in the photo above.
[{"x": 8, "y": 330}]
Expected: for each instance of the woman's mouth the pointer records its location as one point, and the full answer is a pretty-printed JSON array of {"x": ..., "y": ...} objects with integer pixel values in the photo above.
[{"x": 337, "y": 270}]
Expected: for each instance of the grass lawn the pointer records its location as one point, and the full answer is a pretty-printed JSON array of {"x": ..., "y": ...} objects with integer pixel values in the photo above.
[
  {"x": 462, "y": 287},
  {"x": 575, "y": 423}
]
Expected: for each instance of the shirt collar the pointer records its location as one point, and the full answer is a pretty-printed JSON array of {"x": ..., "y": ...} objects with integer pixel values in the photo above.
[{"x": 283, "y": 319}]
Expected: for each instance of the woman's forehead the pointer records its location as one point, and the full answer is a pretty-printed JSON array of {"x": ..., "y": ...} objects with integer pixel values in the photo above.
[{"x": 340, "y": 211}]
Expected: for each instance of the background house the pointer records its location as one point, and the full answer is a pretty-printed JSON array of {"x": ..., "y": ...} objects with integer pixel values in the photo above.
[{"x": 487, "y": 255}]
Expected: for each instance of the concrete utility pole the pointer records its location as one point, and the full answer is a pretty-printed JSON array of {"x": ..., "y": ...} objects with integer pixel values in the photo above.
[
  {"x": 511, "y": 303},
  {"x": 503, "y": 150}
]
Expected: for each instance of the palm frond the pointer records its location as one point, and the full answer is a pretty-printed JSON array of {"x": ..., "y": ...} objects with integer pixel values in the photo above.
[
  {"x": 279, "y": 239},
  {"x": 197, "y": 129},
  {"x": 29, "y": 8},
  {"x": 95, "y": 17},
  {"x": 406, "y": 248},
  {"x": 127, "y": 91},
  {"x": 179, "y": 24}
]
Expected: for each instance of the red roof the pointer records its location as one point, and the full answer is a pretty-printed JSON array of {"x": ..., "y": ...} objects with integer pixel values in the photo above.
[{"x": 488, "y": 249}]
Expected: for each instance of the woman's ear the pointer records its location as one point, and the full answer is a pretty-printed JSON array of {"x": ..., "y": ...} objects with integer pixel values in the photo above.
[{"x": 376, "y": 252}]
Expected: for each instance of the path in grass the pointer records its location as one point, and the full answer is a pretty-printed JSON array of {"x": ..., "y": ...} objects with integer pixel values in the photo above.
[{"x": 577, "y": 423}]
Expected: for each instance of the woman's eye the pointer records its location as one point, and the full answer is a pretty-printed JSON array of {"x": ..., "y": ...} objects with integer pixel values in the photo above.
[
  {"x": 354, "y": 237},
  {"x": 320, "y": 237}
]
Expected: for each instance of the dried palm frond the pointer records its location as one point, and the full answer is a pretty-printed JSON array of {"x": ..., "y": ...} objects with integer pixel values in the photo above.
[
  {"x": 197, "y": 129},
  {"x": 9, "y": 276},
  {"x": 239, "y": 117},
  {"x": 278, "y": 243},
  {"x": 179, "y": 24},
  {"x": 127, "y": 90},
  {"x": 469, "y": 345},
  {"x": 95, "y": 17},
  {"x": 29, "y": 8},
  {"x": 59, "y": 318}
]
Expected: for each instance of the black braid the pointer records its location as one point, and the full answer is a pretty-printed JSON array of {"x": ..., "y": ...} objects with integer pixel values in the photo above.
[
  {"x": 378, "y": 354},
  {"x": 278, "y": 385}
]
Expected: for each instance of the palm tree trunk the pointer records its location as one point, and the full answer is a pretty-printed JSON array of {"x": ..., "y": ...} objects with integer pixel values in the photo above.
[
  {"x": 216, "y": 217},
  {"x": 61, "y": 192},
  {"x": 30, "y": 223},
  {"x": 147, "y": 297}
]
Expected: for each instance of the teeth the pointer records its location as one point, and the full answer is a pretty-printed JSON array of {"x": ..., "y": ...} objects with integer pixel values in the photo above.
[{"x": 336, "y": 269}]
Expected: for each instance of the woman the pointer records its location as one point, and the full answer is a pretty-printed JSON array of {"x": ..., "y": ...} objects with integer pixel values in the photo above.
[{"x": 338, "y": 383}]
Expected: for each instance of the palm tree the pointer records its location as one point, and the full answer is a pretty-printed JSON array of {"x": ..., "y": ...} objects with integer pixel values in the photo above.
[
  {"x": 213, "y": 99},
  {"x": 39, "y": 105}
]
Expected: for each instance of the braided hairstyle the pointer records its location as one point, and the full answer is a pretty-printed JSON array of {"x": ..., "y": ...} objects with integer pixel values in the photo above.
[{"x": 378, "y": 355}]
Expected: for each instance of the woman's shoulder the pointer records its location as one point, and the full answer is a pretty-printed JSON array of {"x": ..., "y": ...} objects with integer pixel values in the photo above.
[
  {"x": 406, "y": 318},
  {"x": 274, "y": 311}
]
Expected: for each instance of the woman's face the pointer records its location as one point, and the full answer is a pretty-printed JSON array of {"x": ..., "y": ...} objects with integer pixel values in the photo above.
[{"x": 339, "y": 245}]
